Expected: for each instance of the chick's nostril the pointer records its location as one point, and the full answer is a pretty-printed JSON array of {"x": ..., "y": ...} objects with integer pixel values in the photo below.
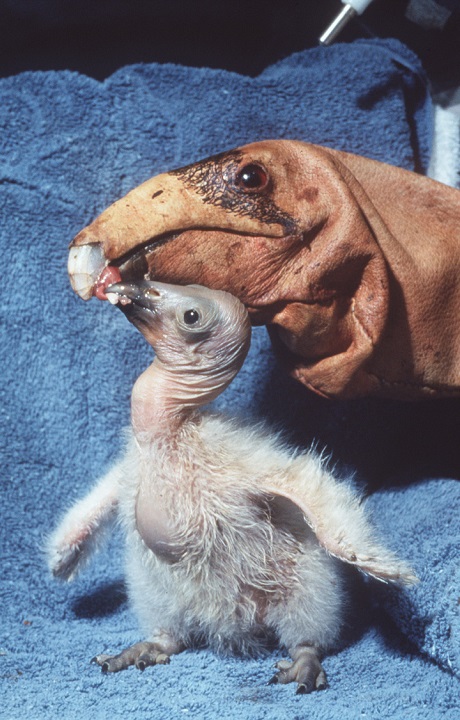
[{"x": 152, "y": 293}]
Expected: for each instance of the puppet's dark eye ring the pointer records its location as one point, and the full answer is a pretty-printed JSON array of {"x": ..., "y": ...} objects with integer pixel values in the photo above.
[
  {"x": 191, "y": 317},
  {"x": 252, "y": 178}
]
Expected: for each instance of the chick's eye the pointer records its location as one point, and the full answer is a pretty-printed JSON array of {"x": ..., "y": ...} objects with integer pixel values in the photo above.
[
  {"x": 252, "y": 177},
  {"x": 191, "y": 317}
]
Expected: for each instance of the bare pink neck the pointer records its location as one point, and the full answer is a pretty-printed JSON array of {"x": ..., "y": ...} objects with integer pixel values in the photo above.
[
  {"x": 162, "y": 399},
  {"x": 153, "y": 409}
]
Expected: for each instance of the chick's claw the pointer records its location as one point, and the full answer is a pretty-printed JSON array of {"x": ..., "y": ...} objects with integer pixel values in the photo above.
[
  {"x": 140, "y": 654},
  {"x": 306, "y": 670}
]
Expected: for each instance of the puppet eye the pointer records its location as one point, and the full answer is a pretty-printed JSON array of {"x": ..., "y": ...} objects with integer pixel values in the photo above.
[
  {"x": 191, "y": 317},
  {"x": 252, "y": 178}
]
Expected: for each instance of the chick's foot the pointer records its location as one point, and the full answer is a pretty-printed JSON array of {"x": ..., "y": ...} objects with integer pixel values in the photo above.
[
  {"x": 305, "y": 669},
  {"x": 141, "y": 654}
]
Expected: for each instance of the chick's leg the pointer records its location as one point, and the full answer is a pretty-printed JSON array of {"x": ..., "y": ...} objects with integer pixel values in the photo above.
[
  {"x": 141, "y": 654},
  {"x": 305, "y": 669}
]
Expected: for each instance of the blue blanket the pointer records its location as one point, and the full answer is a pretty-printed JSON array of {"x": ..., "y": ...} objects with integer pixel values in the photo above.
[{"x": 69, "y": 146}]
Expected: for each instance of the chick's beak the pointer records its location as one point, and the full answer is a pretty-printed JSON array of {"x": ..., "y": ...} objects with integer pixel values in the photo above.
[
  {"x": 140, "y": 303},
  {"x": 143, "y": 294}
]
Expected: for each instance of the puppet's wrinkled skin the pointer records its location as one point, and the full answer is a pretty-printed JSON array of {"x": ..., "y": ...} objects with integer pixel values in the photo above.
[
  {"x": 233, "y": 539},
  {"x": 354, "y": 265}
]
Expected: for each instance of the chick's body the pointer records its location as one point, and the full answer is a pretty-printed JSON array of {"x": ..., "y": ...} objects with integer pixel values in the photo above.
[
  {"x": 233, "y": 539},
  {"x": 227, "y": 569}
]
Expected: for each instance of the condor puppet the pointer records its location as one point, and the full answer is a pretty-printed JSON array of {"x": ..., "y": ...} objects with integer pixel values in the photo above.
[{"x": 353, "y": 265}]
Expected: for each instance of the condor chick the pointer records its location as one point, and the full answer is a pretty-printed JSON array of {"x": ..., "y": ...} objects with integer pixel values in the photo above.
[{"x": 233, "y": 539}]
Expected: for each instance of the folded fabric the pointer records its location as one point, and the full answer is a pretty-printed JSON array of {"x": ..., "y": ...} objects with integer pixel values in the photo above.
[
  {"x": 68, "y": 147},
  {"x": 424, "y": 522}
]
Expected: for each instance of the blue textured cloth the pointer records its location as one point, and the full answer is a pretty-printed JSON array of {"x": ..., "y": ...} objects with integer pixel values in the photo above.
[{"x": 69, "y": 145}]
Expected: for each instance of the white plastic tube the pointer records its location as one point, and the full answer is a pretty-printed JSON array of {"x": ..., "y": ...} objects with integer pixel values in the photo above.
[{"x": 358, "y": 6}]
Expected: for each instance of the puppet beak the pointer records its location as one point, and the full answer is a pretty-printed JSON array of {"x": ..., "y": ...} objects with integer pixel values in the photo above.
[{"x": 151, "y": 215}]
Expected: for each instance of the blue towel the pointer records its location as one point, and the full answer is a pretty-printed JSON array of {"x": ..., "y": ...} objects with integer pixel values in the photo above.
[{"x": 69, "y": 146}]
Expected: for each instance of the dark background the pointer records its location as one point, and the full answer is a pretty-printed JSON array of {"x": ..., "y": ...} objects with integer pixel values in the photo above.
[{"x": 97, "y": 37}]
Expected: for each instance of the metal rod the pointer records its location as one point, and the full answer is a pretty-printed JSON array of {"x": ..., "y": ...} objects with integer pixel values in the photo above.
[{"x": 337, "y": 25}]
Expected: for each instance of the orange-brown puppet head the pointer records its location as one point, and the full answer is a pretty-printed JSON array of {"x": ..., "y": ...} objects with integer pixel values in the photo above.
[{"x": 353, "y": 264}]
